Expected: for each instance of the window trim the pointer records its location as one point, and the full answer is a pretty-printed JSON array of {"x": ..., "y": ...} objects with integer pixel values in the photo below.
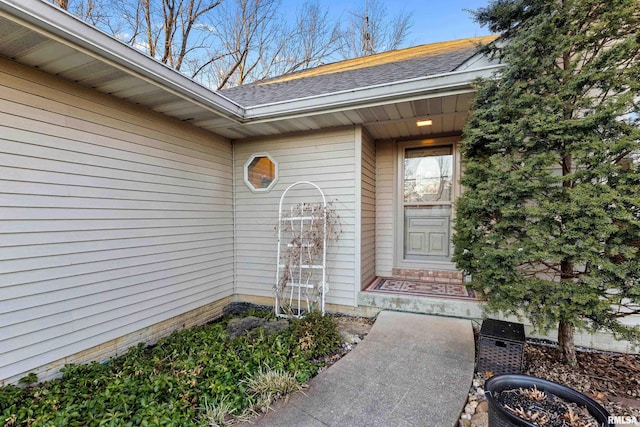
[{"x": 246, "y": 172}]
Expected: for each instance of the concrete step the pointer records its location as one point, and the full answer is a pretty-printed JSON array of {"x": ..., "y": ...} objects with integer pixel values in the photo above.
[{"x": 462, "y": 308}]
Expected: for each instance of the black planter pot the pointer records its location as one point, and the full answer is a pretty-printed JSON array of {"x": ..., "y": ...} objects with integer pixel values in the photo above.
[{"x": 500, "y": 417}]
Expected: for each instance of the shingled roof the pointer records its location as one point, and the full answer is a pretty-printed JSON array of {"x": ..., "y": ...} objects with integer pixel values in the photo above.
[{"x": 393, "y": 66}]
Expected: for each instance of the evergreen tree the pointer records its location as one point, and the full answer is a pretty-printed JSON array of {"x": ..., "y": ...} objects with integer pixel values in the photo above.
[{"x": 548, "y": 224}]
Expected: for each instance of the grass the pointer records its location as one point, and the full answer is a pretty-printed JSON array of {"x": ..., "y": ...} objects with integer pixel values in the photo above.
[
  {"x": 198, "y": 376},
  {"x": 215, "y": 414},
  {"x": 269, "y": 385}
]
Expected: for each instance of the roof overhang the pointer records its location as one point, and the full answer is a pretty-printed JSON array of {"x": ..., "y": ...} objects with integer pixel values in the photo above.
[
  {"x": 74, "y": 37},
  {"x": 387, "y": 111},
  {"x": 39, "y": 35},
  {"x": 401, "y": 91}
]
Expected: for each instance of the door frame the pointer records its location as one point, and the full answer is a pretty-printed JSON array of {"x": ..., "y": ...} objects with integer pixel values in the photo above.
[{"x": 398, "y": 189}]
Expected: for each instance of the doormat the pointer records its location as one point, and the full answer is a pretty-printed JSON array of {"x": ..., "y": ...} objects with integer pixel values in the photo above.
[{"x": 420, "y": 288}]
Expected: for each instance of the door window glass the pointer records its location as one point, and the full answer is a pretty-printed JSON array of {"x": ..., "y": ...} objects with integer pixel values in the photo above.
[{"x": 428, "y": 174}]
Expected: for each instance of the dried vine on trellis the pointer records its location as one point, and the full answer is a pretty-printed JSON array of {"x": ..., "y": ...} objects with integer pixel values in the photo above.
[{"x": 304, "y": 245}]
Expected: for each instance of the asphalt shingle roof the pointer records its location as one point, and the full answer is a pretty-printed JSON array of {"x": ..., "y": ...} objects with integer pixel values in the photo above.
[{"x": 387, "y": 67}]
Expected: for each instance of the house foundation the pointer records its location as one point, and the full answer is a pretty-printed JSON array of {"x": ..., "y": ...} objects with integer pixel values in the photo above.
[{"x": 116, "y": 347}]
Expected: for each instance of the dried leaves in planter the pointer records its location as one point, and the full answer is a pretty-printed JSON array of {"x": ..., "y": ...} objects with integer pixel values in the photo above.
[{"x": 545, "y": 409}]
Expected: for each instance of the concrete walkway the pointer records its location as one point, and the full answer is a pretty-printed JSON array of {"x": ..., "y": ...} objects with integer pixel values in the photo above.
[{"x": 411, "y": 370}]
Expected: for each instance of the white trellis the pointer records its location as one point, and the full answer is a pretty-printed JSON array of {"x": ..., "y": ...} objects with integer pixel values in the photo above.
[{"x": 301, "y": 281}]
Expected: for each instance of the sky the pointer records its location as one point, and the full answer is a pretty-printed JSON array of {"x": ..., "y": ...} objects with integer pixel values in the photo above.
[{"x": 433, "y": 20}]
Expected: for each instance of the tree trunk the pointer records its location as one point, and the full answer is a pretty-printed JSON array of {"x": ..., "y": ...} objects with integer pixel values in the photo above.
[{"x": 566, "y": 331}]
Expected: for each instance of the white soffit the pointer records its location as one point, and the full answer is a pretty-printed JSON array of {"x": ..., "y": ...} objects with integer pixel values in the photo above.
[{"x": 39, "y": 35}]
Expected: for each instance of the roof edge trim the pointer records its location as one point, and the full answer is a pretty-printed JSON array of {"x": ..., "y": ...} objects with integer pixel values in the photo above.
[
  {"x": 67, "y": 29},
  {"x": 369, "y": 96}
]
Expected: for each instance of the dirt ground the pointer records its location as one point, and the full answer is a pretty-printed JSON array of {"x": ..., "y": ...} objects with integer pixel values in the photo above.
[{"x": 359, "y": 326}]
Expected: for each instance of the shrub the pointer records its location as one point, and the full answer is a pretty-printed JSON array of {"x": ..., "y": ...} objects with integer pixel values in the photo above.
[{"x": 317, "y": 335}]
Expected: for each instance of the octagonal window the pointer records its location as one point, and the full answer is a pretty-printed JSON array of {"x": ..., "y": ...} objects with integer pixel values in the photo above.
[{"x": 260, "y": 172}]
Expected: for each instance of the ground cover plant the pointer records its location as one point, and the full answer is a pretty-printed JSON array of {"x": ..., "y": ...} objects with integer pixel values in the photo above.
[{"x": 198, "y": 376}]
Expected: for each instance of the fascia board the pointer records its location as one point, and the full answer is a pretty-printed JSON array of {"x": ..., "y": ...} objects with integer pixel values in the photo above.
[
  {"x": 407, "y": 90},
  {"x": 73, "y": 32}
]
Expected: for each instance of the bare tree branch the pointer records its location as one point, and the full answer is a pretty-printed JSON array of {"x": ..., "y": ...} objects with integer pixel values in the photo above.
[
  {"x": 369, "y": 30},
  {"x": 62, "y": 4},
  {"x": 233, "y": 42}
]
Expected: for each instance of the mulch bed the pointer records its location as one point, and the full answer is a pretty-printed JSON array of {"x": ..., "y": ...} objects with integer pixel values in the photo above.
[{"x": 611, "y": 379}]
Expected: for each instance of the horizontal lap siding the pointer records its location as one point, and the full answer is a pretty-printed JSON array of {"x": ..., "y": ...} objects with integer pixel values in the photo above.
[
  {"x": 368, "y": 209},
  {"x": 326, "y": 159},
  {"x": 384, "y": 208},
  {"x": 112, "y": 219}
]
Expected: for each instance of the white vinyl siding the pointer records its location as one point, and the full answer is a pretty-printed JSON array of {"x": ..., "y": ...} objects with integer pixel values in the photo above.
[
  {"x": 385, "y": 205},
  {"x": 368, "y": 210},
  {"x": 112, "y": 219},
  {"x": 324, "y": 158}
]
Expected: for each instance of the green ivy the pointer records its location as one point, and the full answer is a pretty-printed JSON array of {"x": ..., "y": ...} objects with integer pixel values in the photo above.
[{"x": 166, "y": 384}]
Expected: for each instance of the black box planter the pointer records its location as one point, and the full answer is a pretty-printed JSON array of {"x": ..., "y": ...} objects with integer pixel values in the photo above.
[
  {"x": 500, "y": 417},
  {"x": 501, "y": 347}
]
